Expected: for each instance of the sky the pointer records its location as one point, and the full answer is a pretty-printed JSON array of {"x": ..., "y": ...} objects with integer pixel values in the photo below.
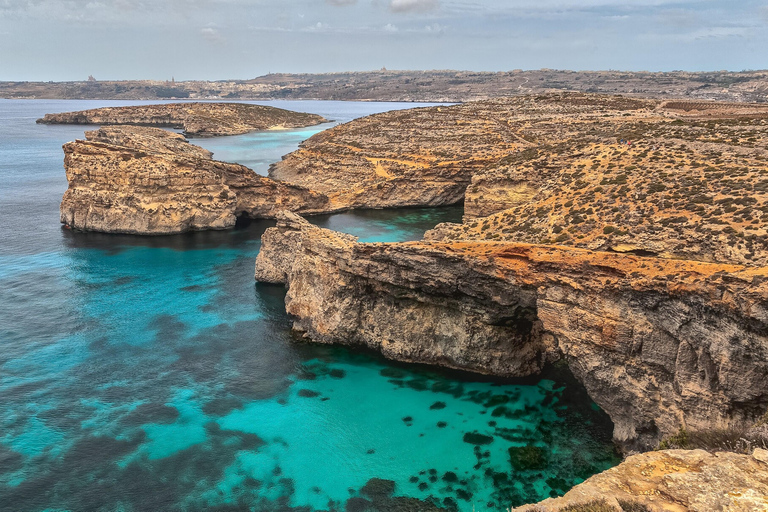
[{"x": 241, "y": 39}]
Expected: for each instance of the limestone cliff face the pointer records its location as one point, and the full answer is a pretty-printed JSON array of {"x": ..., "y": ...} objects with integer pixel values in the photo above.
[
  {"x": 658, "y": 344},
  {"x": 355, "y": 294},
  {"x": 196, "y": 119},
  {"x": 150, "y": 181},
  {"x": 674, "y": 481}
]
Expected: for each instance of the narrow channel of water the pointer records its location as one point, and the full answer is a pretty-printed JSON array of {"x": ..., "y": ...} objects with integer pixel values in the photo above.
[{"x": 149, "y": 373}]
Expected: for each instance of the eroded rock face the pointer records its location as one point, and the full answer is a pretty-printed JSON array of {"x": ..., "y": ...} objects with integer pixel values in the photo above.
[
  {"x": 658, "y": 344},
  {"x": 344, "y": 292},
  {"x": 196, "y": 119},
  {"x": 150, "y": 181},
  {"x": 674, "y": 481}
]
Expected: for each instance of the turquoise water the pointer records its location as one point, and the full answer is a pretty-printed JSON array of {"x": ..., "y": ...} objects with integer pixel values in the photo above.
[{"x": 149, "y": 373}]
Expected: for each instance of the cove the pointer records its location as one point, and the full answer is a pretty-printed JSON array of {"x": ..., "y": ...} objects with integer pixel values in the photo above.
[{"x": 149, "y": 373}]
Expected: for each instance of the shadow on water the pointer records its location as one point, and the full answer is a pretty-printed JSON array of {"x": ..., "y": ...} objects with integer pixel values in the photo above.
[{"x": 245, "y": 231}]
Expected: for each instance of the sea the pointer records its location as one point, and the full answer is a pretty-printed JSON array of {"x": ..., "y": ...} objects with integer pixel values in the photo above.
[{"x": 152, "y": 373}]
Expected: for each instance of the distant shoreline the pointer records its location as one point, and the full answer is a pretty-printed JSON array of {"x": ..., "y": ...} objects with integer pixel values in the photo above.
[{"x": 412, "y": 86}]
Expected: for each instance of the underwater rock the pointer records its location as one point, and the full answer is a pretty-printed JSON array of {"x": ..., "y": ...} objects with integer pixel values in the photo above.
[
  {"x": 378, "y": 489},
  {"x": 527, "y": 458},
  {"x": 477, "y": 438}
]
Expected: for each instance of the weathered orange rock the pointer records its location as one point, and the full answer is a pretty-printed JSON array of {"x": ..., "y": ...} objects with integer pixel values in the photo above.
[{"x": 674, "y": 481}]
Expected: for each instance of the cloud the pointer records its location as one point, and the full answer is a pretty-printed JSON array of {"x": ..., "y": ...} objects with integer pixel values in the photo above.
[
  {"x": 390, "y": 28},
  {"x": 412, "y": 5},
  {"x": 341, "y": 2},
  {"x": 435, "y": 28},
  {"x": 318, "y": 27},
  {"x": 211, "y": 35}
]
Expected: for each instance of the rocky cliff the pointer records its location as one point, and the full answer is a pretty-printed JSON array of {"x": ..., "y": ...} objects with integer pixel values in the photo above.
[
  {"x": 416, "y": 157},
  {"x": 196, "y": 119},
  {"x": 658, "y": 343},
  {"x": 150, "y": 181},
  {"x": 672, "y": 481}
]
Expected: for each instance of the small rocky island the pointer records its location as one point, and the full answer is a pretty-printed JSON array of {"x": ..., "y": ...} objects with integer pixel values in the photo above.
[{"x": 195, "y": 119}]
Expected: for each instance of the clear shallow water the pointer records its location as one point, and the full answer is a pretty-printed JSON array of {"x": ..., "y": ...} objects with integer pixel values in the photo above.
[{"x": 151, "y": 374}]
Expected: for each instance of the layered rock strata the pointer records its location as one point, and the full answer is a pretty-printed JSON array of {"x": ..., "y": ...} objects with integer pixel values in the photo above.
[
  {"x": 196, "y": 119},
  {"x": 658, "y": 344},
  {"x": 673, "y": 481},
  {"x": 149, "y": 181}
]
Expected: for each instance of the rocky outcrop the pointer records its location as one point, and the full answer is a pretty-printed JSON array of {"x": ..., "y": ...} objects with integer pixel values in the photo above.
[
  {"x": 673, "y": 481},
  {"x": 658, "y": 344},
  {"x": 150, "y": 181},
  {"x": 416, "y": 157},
  {"x": 422, "y": 314},
  {"x": 196, "y": 119}
]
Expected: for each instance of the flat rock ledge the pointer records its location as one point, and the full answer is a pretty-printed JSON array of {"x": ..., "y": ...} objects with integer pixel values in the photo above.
[
  {"x": 673, "y": 481},
  {"x": 196, "y": 119}
]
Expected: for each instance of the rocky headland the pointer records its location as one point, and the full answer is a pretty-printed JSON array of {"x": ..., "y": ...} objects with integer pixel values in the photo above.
[
  {"x": 148, "y": 181},
  {"x": 670, "y": 178},
  {"x": 195, "y": 119},
  {"x": 659, "y": 344},
  {"x": 623, "y": 237}
]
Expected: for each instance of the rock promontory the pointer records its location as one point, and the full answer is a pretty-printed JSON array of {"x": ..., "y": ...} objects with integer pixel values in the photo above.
[
  {"x": 659, "y": 344},
  {"x": 624, "y": 236},
  {"x": 139, "y": 180},
  {"x": 195, "y": 119}
]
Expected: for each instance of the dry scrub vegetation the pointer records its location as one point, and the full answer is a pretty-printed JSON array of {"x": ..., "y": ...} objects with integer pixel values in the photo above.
[{"x": 611, "y": 173}]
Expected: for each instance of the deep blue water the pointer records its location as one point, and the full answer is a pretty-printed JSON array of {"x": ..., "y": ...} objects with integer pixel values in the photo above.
[{"x": 150, "y": 373}]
